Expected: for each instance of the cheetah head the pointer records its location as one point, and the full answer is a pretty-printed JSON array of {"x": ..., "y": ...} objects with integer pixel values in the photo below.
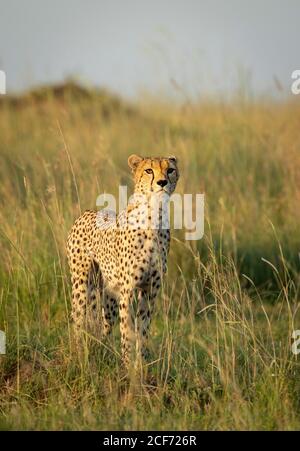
[{"x": 154, "y": 175}]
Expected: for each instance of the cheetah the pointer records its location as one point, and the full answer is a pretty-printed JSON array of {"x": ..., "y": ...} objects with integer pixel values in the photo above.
[{"x": 118, "y": 262}]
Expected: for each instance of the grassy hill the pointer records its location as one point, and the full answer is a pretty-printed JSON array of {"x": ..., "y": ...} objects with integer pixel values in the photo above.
[{"x": 221, "y": 337}]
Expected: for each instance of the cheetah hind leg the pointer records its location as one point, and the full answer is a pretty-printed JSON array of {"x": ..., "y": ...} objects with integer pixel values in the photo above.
[
  {"x": 102, "y": 304},
  {"x": 93, "y": 309},
  {"x": 109, "y": 313},
  {"x": 86, "y": 314}
]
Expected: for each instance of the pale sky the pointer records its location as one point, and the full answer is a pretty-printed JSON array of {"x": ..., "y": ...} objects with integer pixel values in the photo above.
[{"x": 134, "y": 45}]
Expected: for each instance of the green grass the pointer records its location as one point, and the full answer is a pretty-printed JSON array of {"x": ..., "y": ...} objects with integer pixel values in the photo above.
[{"x": 221, "y": 336}]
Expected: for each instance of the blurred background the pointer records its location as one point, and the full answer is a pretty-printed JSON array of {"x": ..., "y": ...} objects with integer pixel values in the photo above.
[{"x": 203, "y": 47}]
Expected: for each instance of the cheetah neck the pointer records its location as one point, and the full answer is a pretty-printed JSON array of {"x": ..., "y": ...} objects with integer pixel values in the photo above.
[{"x": 149, "y": 211}]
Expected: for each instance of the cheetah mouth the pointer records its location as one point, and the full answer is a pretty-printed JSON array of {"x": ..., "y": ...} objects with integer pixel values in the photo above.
[{"x": 162, "y": 190}]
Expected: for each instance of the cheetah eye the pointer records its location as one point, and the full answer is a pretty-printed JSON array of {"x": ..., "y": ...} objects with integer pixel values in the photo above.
[
  {"x": 149, "y": 171},
  {"x": 170, "y": 171}
]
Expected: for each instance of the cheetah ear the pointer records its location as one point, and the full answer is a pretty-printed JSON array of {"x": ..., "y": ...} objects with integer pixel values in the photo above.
[
  {"x": 134, "y": 161},
  {"x": 172, "y": 158}
]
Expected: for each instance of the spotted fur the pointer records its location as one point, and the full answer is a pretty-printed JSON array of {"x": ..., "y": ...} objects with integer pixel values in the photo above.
[{"x": 117, "y": 261}]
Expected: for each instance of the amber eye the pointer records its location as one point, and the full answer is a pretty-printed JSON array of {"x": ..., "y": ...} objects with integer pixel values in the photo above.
[
  {"x": 170, "y": 171},
  {"x": 149, "y": 171}
]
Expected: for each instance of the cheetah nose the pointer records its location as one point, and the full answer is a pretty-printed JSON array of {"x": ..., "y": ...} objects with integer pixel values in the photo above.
[{"x": 162, "y": 183}]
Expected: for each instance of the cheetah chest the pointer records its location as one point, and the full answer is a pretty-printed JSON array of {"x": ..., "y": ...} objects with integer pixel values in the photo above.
[{"x": 145, "y": 258}]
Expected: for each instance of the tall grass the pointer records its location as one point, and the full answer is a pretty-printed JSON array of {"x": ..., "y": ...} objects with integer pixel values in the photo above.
[{"x": 221, "y": 336}]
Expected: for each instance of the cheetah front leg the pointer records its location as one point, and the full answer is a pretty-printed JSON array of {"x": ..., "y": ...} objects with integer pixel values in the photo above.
[
  {"x": 144, "y": 315},
  {"x": 134, "y": 333}
]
